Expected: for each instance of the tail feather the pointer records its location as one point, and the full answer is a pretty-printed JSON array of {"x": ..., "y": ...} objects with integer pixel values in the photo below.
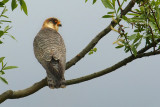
[
  {"x": 55, "y": 74},
  {"x": 51, "y": 83},
  {"x": 54, "y": 83}
]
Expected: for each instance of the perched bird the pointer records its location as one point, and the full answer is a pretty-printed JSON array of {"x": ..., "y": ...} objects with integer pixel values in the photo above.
[{"x": 50, "y": 51}]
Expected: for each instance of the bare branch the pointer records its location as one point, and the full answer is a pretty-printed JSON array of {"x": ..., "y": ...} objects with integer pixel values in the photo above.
[{"x": 22, "y": 93}]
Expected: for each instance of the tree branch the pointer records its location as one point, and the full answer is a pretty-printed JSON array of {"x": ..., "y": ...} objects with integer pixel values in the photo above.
[
  {"x": 148, "y": 47},
  {"x": 37, "y": 86},
  {"x": 22, "y": 93},
  {"x": 91, "y": 45},
  {"x": 110, "y": 69}
]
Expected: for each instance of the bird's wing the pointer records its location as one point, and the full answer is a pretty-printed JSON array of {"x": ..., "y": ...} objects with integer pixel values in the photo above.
[
  {"x": 51, "y": 48},
  {"x": 51, "y": 45}
]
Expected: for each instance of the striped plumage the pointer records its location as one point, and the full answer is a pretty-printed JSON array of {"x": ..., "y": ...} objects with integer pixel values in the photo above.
[{"x": 49, "y": 49}]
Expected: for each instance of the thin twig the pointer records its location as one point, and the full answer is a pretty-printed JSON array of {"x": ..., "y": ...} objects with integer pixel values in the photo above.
[
  {"x": 135, "y": 12},
  {"x": 119, "y": 5},
  {"x": 122, "y": 33}
]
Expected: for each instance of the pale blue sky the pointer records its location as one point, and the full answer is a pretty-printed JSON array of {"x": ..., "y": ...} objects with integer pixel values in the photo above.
[{"x": 134, "y": 85}]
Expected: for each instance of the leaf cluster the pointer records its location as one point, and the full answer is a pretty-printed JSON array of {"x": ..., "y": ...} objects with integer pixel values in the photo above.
[
  {"x": 14, "y": 5},
  {"x": 92, "y": 51},
  {"x": 146, "y": 23},
  {"x": 4, "y": 18},
  {"x": 144, "y": 20},
  {"x": 22, "y": 3},
  {"x": 3, "y": 68},
  {"x": 4, "y": 31}
]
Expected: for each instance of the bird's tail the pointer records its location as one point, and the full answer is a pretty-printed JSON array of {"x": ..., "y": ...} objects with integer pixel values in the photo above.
[{"x": 54, "y": 82}]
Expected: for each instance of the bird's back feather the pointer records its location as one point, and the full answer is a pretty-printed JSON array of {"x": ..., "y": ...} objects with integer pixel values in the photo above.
[{"x": 50, "y": 51}]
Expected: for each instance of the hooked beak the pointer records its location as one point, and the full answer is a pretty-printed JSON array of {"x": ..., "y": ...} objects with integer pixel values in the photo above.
[{"x": 60, "y": 25}]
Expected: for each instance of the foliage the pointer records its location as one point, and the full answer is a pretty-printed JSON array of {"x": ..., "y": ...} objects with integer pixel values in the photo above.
[
  {"x": 92, "y": 51},
  {"x": 3, "y": 32},
  {"x": 22, "y": 4},
  {"x": 3, "y": 68},
  {"x": 5, "y": 18},
  {"x": 145, "y": 22}
]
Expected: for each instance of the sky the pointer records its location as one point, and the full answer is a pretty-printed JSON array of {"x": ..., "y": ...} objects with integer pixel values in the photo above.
[{"x": 133, "y": 85}]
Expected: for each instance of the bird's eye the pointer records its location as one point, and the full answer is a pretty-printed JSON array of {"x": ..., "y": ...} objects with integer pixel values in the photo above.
[{"x": 54, "y": 21}]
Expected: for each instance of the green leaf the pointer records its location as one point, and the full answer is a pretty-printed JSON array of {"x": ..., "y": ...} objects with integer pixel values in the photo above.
[
  {"x": 4, "y": 10},
  {"x": 107, "y": 4},
  {"x": 94, "y": 1},
  {"x": 153, "y": 25},
  {"x": 4, "y": 80},
  {"x": 86, "y": 1},
  {"x": 14, "y": 4},
  {"x": 6, "y": 29},
  {"x": 142, "y": 8},
  {"x": 159, "y": 47},
  {"x": 95, "y": 49},
  {"x": 10, "y": 67},
  {"x": 24, "y": 6},
  {"x": 5, "y": 1},
  {"x": 120, "y": 46},
  {"x": 113, "y": 2},
  {"x": 110, "y": 12},
  {"x": 137, "y": 44},
  {"x": 1, "y": 33},
  {"x": 132, "y": 37},
  {"x": 2, "y": 72},
  {"x": 1, "y": 4},
  {"x": 133, "y": 14},
  {"x": 5, "y": 21},
  {"x": 1, "y": 42},
  {"x": 138, "y": 19},
  {"x": 135, "y": 40},
  {"x": 137, "y": 37},
  {"x": 158, "y": 15},
  {"x": 126, "y": 49},
  {"x": 91, "y": 52},
  {"x": 147, "y": 36},
  {"x": 1, "y": 59},
  {"x": 3, "y": 65},
  {"x": 11, "y": 36},
  {"x": 5, "y": 16},
  {"x": 120, "y": 6},
  {"x": 107, "y": 16},
  {"x": 125, "y": 18},
  {"x": 134, "y": 50}
]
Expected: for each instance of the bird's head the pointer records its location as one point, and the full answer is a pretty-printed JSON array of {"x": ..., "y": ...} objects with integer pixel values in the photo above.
[{"x": 52, "y": 23}]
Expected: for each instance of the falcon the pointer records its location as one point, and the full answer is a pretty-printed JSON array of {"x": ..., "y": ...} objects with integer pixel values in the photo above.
[{"x": 50, "y": 51}]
